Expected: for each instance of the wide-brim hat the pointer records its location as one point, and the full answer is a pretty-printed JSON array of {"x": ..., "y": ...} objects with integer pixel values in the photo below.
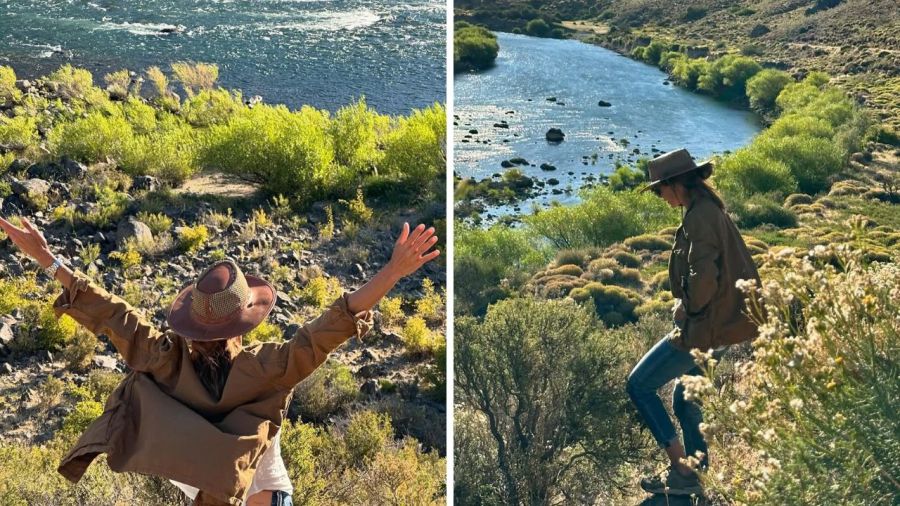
[
  {"x": 671, "y": 164},
  {"x": 221, "y": 304}
]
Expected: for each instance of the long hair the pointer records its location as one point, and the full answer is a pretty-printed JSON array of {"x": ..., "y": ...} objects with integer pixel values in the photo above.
[
  {"x": 212, "y": 362},
  {"x": 695, "y": 182}
]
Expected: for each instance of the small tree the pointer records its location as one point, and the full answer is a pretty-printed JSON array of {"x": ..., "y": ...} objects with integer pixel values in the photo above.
[{"x": 551, "y": 389}]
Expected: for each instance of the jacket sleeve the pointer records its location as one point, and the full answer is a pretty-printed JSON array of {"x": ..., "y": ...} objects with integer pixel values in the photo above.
[
  {"x": 297, "y": 358},
  {"x": 104, "y": 313},
  {"x": 703, "y": 256}
]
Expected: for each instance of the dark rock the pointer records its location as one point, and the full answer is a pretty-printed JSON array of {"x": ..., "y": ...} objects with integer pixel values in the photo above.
[
  {"x": 555, "y": 135},
  {"x": 551, "y": 99},
  {"x": 18, "y": 165},
  {"x": 507, "y": 164},
  {"x": 553, "y": 181},
  {"x": 132, "y": 229},
  {"x": 357, "y": 271},
  {"x": 290, "y": 331},
  {"x": 369, "y": 388},
  {"x": 547, "y": 166},
  {"x": 30, "y": 190},
  {"x": 604, "y": 103},
  {"x": 759, "y": 30},
  {"x": 501, "y": 125},
  {"x": 148, "y": 183},
  {"x": 372, "y": 370},
  {"x": 6, "y": 333},
  {"x": 519, "y": 161},
  {"x": 5, "y": 368}
]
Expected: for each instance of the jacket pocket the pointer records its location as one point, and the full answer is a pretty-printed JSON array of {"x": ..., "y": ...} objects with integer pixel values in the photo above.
[{"x": 699, "y": 330}]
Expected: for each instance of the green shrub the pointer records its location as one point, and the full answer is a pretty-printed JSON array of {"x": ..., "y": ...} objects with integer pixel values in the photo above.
[
  {"x": 391, "y": 310},
  {"x": 414, "y": 148},
  {"x": 211, "y": 107},
  {"x": 625, "y": 178},
  {"x": 474, "y": 47},
  {"x": 325, "y": 392},
  {"x": 601, "y": 218},
  {"x": 431, "y": 304},
  {"x": 537, "y": 27},
  {"x": 78, "y": 420},
  {"x": 760, "y": 209},
  {"x": 417, "y": 337},
  {"x": 76, "y": 85},
  {"x": 748, "y": 172},
  {"x": 18, "y": 131},
  {"x": 286, "y": 151},
  {"x": 764, "y": 87},
  {"x": 488, "y": 263},
  {"x": 92, "y": 138},
  {"x": 727, "y": 76},
  {"x": 367, "y": 434},
  {"x": 551, "y": 380},
  {"x": 41, "y": 330},
  {"x": 9, "y": 94},
  {"x": 614, "y": 305},
  {"x": 264, "y": 332},
  {"x": 653, "y": 51},
  {"x": 192, "y": 239},
  {"x": 649, "y": 242},
  {"x": 356, "y": 130},
  {"x": 321, "y": 291},
  {"x": 811, "y": 160},
  {"x": 158, "y": 222},
  {"x": 687, "y": 71},
  {"x": 627, "y": 259}
]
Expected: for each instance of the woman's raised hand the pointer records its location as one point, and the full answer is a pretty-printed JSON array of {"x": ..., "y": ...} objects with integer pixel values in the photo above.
[
  {"x": 411, "y": 249},
  {"x": 30, "y": 240}
]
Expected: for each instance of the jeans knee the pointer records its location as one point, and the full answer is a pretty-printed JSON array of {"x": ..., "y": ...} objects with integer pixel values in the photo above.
[
  {"x": 683, "y": 409},
  {"x": 634, "y": 387}
]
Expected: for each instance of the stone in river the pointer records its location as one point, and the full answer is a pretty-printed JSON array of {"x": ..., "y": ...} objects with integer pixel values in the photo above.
[
  {"x": 604, "y": 103},
  {"x": 555, "y": 135}
]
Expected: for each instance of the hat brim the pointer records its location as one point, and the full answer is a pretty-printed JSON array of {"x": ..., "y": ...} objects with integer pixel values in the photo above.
[
  {"x": 262, "y": 300},
  {"x": 659, "y": 181}
]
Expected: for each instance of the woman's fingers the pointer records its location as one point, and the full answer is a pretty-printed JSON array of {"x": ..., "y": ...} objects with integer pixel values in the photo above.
[
  {"x": 404, "y": 234},
  {"x": 417, "y": 244}
]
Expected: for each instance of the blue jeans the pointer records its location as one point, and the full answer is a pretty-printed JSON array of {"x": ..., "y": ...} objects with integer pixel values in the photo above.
[
  {"x": 281, "y": 498},
  {"x": 663, "y": 363}
]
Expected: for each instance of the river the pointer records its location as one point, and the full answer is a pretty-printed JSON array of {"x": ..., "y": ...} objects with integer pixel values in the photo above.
[
  {"x": 321, "y": 53},
  {"x": 644, "y": 111}
]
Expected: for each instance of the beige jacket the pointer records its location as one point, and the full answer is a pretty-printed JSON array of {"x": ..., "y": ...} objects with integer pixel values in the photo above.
[
  {"x": 708, "y": 257},
  {"x": 160, "y": 419}
]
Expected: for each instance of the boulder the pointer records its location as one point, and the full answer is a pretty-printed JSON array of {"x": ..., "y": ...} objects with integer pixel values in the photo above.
[
  {"x": 604, "y": 103},
  {"x": 134, "y": 229},
  {"x": 105, "y": 362},
  {"x": 555, "y": 135},
  {"x": 31, "y": 191},
  {"x": 148, "y": 183}
]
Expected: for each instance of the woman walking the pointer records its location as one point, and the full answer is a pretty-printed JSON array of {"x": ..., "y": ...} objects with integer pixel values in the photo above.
[
  {"x": 197, "y": 407},
  {"x": 708, "y": 257}
]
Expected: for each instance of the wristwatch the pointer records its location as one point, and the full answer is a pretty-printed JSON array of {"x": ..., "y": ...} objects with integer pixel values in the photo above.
[{"x": 52, "y": 268}]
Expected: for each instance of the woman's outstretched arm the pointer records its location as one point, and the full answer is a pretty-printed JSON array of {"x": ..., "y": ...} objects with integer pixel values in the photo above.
[
  {"x": 410, "y": 253},
  {"x": 349, "y": 315},
  {"x": 93, "y": 307}
]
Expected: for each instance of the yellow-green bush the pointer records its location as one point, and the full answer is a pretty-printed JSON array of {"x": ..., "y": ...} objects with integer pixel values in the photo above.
[
  {"x": 326, "y": 391},
  {"x": 18, "y": 131},
  {"x": 9, "y": 94},
  {"x": 431, "y": 304},
  {"x": 41, "y": 330},
  {"x": 321, "y": 291},
  {"x": 211, "y": 107},
  {"x": 614, "y": 305},
  {"x": 264, "y": 332},
  {"x": 356, "y": 130},
  {"x": 285, "y": 151},
  {"x": 367, "y": 434},
  {"x": 158, "y": 222},
  {"x": 191, "y": 239},
  {"x": 391, "y": 311},
  {"x": 417, "y": 337},
  {"x": 649, "y": 242},
  {"x": 414, "y": 147}
]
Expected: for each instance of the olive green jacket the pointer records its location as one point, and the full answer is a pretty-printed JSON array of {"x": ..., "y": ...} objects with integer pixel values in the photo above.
[
  {"x": 708, "y": 257},
  {"x": 161, "y": 420}
]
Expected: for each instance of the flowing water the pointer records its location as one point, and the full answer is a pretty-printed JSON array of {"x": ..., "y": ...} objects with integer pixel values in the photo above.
[
  {"x": 648, "y": 114},
  {"x": 324, "y": 53}
]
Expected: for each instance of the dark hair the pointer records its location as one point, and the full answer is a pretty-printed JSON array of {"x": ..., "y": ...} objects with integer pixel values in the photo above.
[
  {"x": 695, "y": 181},
  {"x": 212, "y": 361}
]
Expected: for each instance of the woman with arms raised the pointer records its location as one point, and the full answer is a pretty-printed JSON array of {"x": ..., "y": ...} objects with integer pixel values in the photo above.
[{"x": 198, "y": 408}]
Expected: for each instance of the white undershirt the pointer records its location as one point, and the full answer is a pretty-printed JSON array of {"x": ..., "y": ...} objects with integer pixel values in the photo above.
[{"x": 270, "y": 475}]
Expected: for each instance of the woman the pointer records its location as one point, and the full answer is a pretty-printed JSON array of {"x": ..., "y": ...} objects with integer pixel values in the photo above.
[
  {"x": 708, "y": 257},
  {"x": 198, "y": 408}
]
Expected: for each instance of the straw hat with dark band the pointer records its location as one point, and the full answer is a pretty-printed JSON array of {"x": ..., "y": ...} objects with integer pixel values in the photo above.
[
  {"x": 222, "y": 303},
  {"x": 671, "y": 164}
]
